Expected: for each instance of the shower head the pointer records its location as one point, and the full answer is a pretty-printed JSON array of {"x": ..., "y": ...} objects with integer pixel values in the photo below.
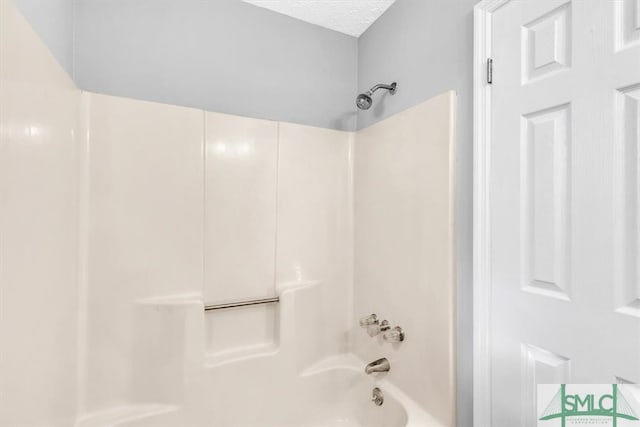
[{"x": 365, "y": 100}]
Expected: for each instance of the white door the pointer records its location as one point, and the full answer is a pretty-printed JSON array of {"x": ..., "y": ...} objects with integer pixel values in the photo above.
[{"x": 564, "y": 199}]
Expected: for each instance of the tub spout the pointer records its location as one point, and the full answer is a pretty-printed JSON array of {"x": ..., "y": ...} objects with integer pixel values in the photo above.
[{"x": 380, "y": 365}]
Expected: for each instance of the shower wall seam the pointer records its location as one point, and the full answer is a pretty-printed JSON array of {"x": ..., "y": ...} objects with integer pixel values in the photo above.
[
  {"x": 84, "y": 185},
  {"x": 203, "y": 285}
]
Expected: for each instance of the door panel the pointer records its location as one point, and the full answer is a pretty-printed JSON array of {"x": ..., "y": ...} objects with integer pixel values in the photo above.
[{"x": 565, "y": 242}]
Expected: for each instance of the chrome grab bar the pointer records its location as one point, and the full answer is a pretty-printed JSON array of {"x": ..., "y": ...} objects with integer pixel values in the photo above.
[{"x": 241, "y": 303}]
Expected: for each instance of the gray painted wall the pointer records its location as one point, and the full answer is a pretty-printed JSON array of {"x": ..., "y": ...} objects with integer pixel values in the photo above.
[
  {"x": 53, "y": 21},
  {"x": 218, "y": 55},
  {"x": 427, "y": 47}
]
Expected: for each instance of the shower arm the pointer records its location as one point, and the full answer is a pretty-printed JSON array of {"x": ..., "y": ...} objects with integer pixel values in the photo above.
[{"x": 391, "y": 88}]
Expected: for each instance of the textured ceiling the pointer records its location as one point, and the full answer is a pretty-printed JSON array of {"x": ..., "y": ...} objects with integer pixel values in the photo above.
[{"x": 351, "y": 17}]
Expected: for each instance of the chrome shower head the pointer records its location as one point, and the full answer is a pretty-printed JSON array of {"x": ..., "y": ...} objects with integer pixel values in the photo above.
[{"x": 365, "y": 100}]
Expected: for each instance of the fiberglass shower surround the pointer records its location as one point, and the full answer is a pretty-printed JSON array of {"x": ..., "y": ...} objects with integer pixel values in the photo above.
[{"x": 123, "y": 219}]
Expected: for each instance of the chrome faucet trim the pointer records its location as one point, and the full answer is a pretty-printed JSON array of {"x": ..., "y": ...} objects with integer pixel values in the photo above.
[
  {"x": 394, "y": 335},
  {"x": 374, "y": 330},
  {"x": 377, "y": 397},
  {"x": 380, "y": 365},
  {"x": 370, "y": 320}
]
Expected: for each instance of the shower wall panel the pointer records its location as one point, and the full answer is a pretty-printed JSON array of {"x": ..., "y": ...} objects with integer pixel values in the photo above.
[
  {"x": 277, "y": 213},
  {"x": 38, "y": 240},
  {"x": 314, "y": 227},
  {"x": 241, "y": 172},
  {"x": 145, "y": 227},
  {"x": 404, "y": 234},
  {"x": 240, "y": 228}
]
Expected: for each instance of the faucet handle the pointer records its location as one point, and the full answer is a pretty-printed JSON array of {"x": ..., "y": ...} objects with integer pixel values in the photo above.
[
  {"x": 369, "y": 321},
  {"x": 394, "y": 335},
  {"x": 374, "y": 330}
]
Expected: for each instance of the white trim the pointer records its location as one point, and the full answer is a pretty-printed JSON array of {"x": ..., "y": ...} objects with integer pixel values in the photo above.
[{"x": 481, "y": 214}]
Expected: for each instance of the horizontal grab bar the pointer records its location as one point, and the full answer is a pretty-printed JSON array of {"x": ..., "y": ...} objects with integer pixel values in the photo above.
[{"x": 241, "y": 303}]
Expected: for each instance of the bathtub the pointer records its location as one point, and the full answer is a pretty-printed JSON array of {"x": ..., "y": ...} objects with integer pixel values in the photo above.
[
  {"x": 345, "y": 393},
  {"x": 335, "y": 392}
]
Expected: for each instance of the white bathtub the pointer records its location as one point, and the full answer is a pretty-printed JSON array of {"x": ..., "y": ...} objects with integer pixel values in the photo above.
[
  {"x": 344, "y": 393},
  {"x": 333, "y": 396},
  {"x": 335, "y": 392}
]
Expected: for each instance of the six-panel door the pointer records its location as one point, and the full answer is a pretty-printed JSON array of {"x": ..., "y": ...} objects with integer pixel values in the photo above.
[{"x": 564, "y": 199}]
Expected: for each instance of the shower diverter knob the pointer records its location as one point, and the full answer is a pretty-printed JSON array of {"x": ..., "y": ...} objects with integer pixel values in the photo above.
[
  {"x": 369, "y": 321},
  {"x": 394, "y": 335},
  {"x": 374, "y": 330}
]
